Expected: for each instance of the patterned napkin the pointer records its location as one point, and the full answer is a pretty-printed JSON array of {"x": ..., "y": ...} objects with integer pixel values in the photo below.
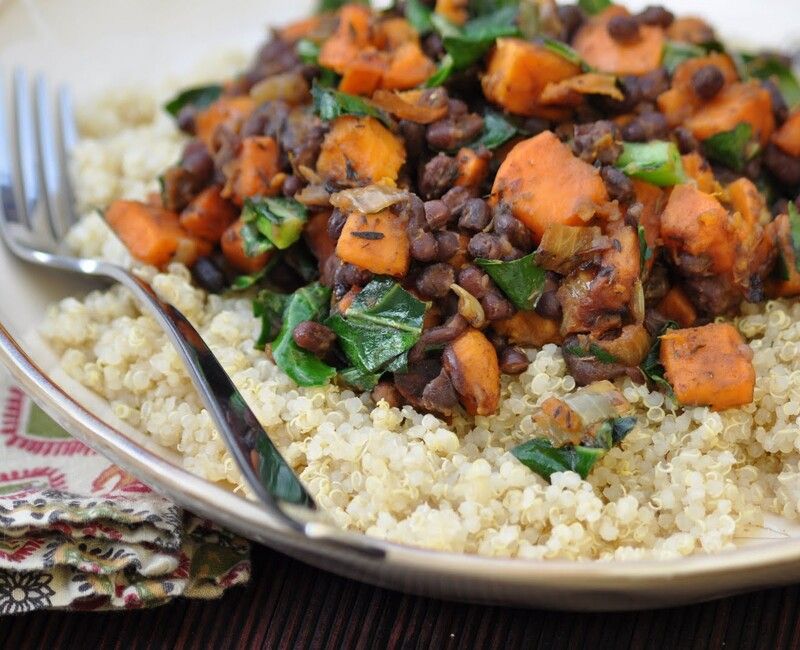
[{"x": 77, "y": 532}]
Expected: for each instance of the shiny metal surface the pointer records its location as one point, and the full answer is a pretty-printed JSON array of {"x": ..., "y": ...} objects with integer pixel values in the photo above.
[{"x": 37, "y": 211}]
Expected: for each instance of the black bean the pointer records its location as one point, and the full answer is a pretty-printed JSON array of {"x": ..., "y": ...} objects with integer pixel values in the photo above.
[
  {"x": 495, "y": 306},
  {"x": 351, "y": 275},
  {"x": 784, "y": 167},
  {"x": 647, "y": 126},
  {"x": 456, "y": 107},
  {"x": 185, "y": 119},
  {"x": 439, "y": 395},
  {"x": 291, "y": 185},
  {"x": 651, "y": 85},
  {"x": 781, "y": 206},
  {"x": 452, "y": 132},
  {"x": 491, "y": 247},
  {"x": 685, "y": 140},
  {"x": 196, "y": 160},
  {"x": 314, "y": 337},
  {"x": 475, "y": 281},
  {"x": 475, "y": 215},
  {"x": 437, "y": 214},
  {"x": 437, "y": 176},
  {"x": 707, "y": 81},
  {"x": 432, "y": 46},
  {"x": 597, "y": 141},
  {"x": 454, "y": 326},
  {"x": 619, "y": 186},
  {"x": 387, "y": 391},
  {"x": 448, "y": 244},
  {"x": 572, "y": 18},
  {"x": 655, "y": 15},
  {"x": 413, "y": 135},
  {"x": 513, "y": 361},
  {"x": 779, "y": 108},
  {"x": 424, "y": 247},
  {"x": 623, "y": 29},
  {"x": 456, "y": 198},
  {"x": 506, "y": 224},
  {"x": 336, "y": 223},
  {"x": 208, "y": 275},
  {"x": 535, "y": 125},
  {"x": 435, "y": 280}
]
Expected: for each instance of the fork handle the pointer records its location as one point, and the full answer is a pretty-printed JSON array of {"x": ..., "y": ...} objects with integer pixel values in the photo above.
[{"x": 263, "y": 468}]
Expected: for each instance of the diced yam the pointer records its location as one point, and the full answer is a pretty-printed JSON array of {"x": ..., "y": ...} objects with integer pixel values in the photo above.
[
  {"x": 676, "y": 306},
  {"x": 352, "y": 36},
  {"x": 471, "y": 361},
  {"x": 208, "y": 215},
  {"x": 529, "y": 329},
  {"x": 233, "y": 249},
  {"x": 408, "y": 68},
  {"x": 698, "y": 169},
  {"x": 544, "y": 183},
  {"x": 377, "y": 242},
  {"x": 518, "y": 72},
  {"x": 787, "y": 138},
  {"x": 709, "y": 366},
  {"x": 360, "y": 147},
  {"x": 740, "y": 102},
  {"x": 255, "y": 169},
  {"x": 226, "y": 110},
  {"x": 696, "y": 223}
]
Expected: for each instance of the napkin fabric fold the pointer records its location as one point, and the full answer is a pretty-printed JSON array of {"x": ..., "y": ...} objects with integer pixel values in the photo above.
[{"x": 77, "y": 532}]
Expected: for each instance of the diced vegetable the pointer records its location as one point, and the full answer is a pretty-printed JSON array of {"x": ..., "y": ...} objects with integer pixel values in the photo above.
[
  {"x": 768, "y": 66},
  {"x": 255, "y": 169},
  {"x": 471, "y": 361},
  {"x": 422, "y": 107},
  {"x": 472, "y": 167},
  {"x": 737, "y": 103},
  {"x": 709, "y": 365},
  {"x": 358, "y": 379},
  {"x": 602, "y": 52},
  {"x": 305, "y": 369},
  {"x": 330, "y": 104},
  {"x": 529, "y": 329},
  {"x": 419, "y": 15},
  {"x": 280, "y": 220},
  {"x": 563, "y": 248},
  {"x": 242, "y": 247},
  {"x": 543, "y": 458},
  {"x": 653, "y": 200},
  {"x": 690, "y": 29},
  {"x": 454, "y": 10},
  {"x": 269, "y": 307},
  {"x": 369, "y": 199},
  {"x": 496, "y": 130},
  {"x": 364, "y": 73},
  {"x": 351, "y": 37},
  {"x": 697, "y": 169},
  {"x": 787, "y": 236},
  {"x": 651, "y": 366},
  {"x": 208, "y": 215},
  {"x": 677, "y": 307},
  {"x": 198, "y": 97},
  {"x": 696, "y": 223},
  {"x": 518, "y": 72},
  {"x": 321, "y": 244},
  {"x": 360, "y": 148},
  {"x": 572, "y": 91},
  {"x": 787, "y": 138},
  {"x": 655, "y": 162},
  {"x": 544, "y": 183},
  {"x": 408, "y": 67},
  {"x": 746, "y": 199},
  {"x": 226, "y": 110},
  {"x": 378, "y": 326},
  {"x": 521, "y": 280},
  {"x": 628, "y": 349},
  {"x": 290, "y": 87},
  {"x": 152, "y": 234},
  {"x": 733, "y": 148},
  {"x": 377, "y": 242},
  {"x": 676, "y": 53}
]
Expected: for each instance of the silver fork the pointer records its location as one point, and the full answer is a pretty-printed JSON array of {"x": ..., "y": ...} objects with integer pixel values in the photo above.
[{"x": 37, "y": 210}]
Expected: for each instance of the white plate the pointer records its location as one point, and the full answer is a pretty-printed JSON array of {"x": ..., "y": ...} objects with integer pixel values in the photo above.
[{"x": 96, "y": 44}]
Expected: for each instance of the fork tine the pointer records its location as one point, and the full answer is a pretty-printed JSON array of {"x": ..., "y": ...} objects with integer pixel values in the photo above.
[
  {"x": 67, "y": 138},
  {"x": 49, "y": 163},
  {"x": 8, "y": 198},
  {"x": 25, "y": 147}
]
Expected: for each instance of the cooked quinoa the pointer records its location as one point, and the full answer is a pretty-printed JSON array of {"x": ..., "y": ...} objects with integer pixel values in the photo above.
[{"x": 683, "y": 481}]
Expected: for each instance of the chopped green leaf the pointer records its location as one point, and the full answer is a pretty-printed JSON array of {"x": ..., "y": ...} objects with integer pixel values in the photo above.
[
  {"x": 269, "y": 307},
  {"x": 330, "y": 104},
  {"x": 794, "y": 229},
  {"x": 521, "y": 280},
  {"x": 419, "y": 15},
  {"x": 307, "y": 303},
  {"x": 544, "y": 459},
  {"x": 359, "y": 379},
  {"x": 483, "y": 7},
  {"x": 255, "y": 242},
  {"x": 308, "y": 51},
  {"x": 657, "y": 162},
  {"x": 334, "y": 5},
  {"x": 621, "y": 427},
  {"x": 199, "y": 97},
  {"x": 592, "y": 7},
  {"x": 768, "y": 66},
  {"x": 279, "y": 219},
  {"x": 242, "y": 282},
  {"x": 651, "y": 366},
  {"x": 594, "y": 350},
  {"x": 564, "y": 51},
  {"x": 732, "y": 148},
  {"x": 381, "y": 324},
  {"x": 443, "y": 72},
  {"x": 497, "y": 130},
  {"x": 645, "y": 252},
  {"x": 676, "y": 52}
]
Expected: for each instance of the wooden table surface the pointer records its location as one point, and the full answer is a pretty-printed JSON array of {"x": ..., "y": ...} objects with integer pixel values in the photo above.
[{"x": 291, "y": 605}]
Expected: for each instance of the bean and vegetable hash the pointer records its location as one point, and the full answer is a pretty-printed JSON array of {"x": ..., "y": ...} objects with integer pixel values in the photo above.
[{"x": 546, "y": 226}]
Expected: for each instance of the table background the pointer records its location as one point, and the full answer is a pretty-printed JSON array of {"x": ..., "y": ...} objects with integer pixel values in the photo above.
[{"x": 291, "y": 605}]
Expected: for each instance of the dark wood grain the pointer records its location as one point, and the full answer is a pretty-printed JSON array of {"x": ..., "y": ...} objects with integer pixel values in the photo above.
[{"x": 291, "y": 605}]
